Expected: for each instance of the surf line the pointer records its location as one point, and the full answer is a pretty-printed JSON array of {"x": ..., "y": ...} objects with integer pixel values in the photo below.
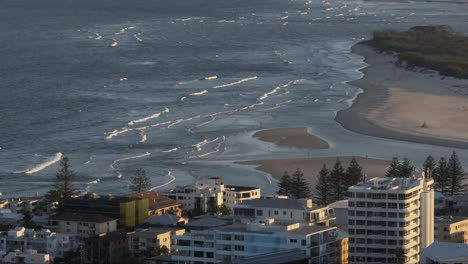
[{"x": 58, "y": 156}]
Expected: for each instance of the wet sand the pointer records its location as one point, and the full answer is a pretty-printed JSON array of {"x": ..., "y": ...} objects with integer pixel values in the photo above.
[
  {"x": 407, "y": 105},
  {"x": 297, "y": 137}
]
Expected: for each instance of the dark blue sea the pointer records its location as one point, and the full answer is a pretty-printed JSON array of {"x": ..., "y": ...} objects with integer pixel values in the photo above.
[{"x": 178, "y": 87}]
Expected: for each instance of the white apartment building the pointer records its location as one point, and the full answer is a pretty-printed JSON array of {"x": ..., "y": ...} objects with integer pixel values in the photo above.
[
  {"x": 284, "y": 210},
  {"x": 228, "y": 243},
  {"x": 83, "y": 225},
  {"x": 56, "y": 244},
  {"x": 214, "y": 192},
  {"x": 390, "y": 213}
]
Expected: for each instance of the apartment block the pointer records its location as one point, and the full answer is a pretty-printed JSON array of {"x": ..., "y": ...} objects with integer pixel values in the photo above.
[
  {"x": 83, "y": 225},
  {"x": 148, "y": 240},
  {"x": 385, "y": 214},
  {"x": 234, "y": 242},
  {"x": 105, "y": 248},
  {"x": 214, "y": 192},
  {"x": 284, "y": 210},
  {"x": 451, "y": 229}
]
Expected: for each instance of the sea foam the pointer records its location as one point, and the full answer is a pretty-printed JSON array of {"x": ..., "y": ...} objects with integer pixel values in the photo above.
[{"x": 57, "y": 157}]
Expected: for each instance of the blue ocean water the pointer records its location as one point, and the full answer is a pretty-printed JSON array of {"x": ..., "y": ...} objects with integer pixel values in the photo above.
[{"x": 179, "y": 87}]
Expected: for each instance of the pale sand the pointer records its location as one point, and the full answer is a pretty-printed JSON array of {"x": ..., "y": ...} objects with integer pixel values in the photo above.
[
  {"x": 396, "y": 102},
  {"x": 297, "y": 137},
  {"x": 311, "y": 166}
]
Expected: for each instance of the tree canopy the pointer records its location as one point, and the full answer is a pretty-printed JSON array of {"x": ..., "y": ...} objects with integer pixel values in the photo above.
[
  {"x": 63, "y": 188},
  {"x": 139, "y": 182}
]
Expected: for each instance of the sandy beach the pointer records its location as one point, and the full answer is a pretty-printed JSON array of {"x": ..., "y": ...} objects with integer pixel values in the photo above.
[
  {"x": 311, "y": 166},
  {"x": 297, "y": 137},
  {"x": 407, "y": 105}
]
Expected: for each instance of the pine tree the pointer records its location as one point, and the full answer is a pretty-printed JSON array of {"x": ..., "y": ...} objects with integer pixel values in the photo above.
[
  {"x": 440, "y": 175},
  {"x": 394, "y": 169},
  {"x": 284, "y": 184},
  {"x": 64, "y": 184},
  {"x": 406, "y": 170},
  {"x": 336, "y": 181},
  {"x": 140, "y": 182},
  {"x": 456, "y": 175},
  {"x": 323, "y": 186},
  {"x": 299, "y": 187},
  {"x": 429, "y": 166},
  {"x": 353, "y": 174}
]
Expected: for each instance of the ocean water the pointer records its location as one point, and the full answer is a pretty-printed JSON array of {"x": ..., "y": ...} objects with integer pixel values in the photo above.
[{"x": 179, "y": 87}]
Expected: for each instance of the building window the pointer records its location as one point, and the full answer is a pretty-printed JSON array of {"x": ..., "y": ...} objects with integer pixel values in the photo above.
[
  {"x": 275, "y": 212},
  {"x": 259, "y": 212},
  {"x": 239, "y": 237},
  {"x": 198, "y": 254},
  {"x": 238, "y": 248},
  {"x": 292, "y": 240},
  {"x": 209, "y": 255}
]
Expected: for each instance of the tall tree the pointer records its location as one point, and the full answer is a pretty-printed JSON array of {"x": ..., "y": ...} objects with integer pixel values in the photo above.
[
  {"x": 139, "y": 182},
  {"x": 353, "y": 174},
  {"x": 220, "y": 210},
  {"x": 337, "y": 175},
  {"x": 64, "y": 188},
  {"x": 406, "y": 170},
  {"x": 456, "y": 175},
  {"x": 299, "y": 187},
  {"x": 284, "y": 184},
  {"x": 323, "y": 186},
  {"x": 394, "y": 169},
  {"x": 441, "y": 177},
  {"x": 429, "y": 165}
]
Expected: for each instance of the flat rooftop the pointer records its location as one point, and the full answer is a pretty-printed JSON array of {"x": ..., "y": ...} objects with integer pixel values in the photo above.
[
  {"x": 295, "y": 204},
  {"x": 384, "y": 183},
  {"x": 449, "y": 219}
]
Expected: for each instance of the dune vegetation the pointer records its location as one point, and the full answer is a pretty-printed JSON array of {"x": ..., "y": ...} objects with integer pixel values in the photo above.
[{"x": 437, "y": 48}]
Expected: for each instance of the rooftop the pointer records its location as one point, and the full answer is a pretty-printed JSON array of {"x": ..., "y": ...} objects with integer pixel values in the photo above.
[
  {"x": 286, "y": 256},
  {"x": 449, "y": 219},
  {"x": 384, "y": 183},
  {"x": 339, "y": 204},
  {"x": 115, "y": 235},
  {"x": 208, "y": 221},
  {"x": 297, "y": 204},
  {"x": 165, "y": 219},
  {"x": 440, "y": 251},
  {"x": 241, "y": 188},
  {"x": 81, "y": 217},
  {"x": 156, "y": 200}
]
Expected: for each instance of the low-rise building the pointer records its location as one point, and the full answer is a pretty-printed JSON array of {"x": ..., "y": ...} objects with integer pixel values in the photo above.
[
  {"x": 214, "y": 192},
  {"x": 20, "y": 205},
  {"x": 451, "y": 229},
  {"x": 229, "y": 243},
  {"x": 166, "y": 220},
  {"x": 28, "y": 256},
  {"x": 7, "y": 217},
  {"x": 105, "y": 248},
  {"x": 151, "y": 241},
  {"x": 445, "y": 253},
  {"x": 83, "y": 225},
  {"x": 284, "y": 211}
]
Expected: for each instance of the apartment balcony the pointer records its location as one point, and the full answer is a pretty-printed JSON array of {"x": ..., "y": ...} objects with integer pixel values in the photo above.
[{"x": 179, "y": 247}]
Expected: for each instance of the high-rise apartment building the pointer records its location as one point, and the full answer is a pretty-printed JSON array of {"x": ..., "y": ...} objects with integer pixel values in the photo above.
[{"x": 388, "y": 216}]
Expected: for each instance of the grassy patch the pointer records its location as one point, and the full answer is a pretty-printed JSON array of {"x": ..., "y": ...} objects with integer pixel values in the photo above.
[{"x": 433, "y": 47}]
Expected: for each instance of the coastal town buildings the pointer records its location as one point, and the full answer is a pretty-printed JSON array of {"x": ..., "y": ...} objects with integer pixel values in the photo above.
[
  {"x": 340, "y": 208},
  {"x": 9, "y": 218},
  {"x": 83, "y": 225},
  {"x": 284, "y": 210},
  {"x": 232, "y": 242},
  {"x": 56, "y": 244},
  {"x": 386, "y": 214},
  {"x": 214, "y": 192},
  {"x": 451, "y": 229}
]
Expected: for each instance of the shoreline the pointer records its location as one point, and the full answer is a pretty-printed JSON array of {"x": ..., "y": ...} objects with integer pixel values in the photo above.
[{"x": 370, "y": 110}]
